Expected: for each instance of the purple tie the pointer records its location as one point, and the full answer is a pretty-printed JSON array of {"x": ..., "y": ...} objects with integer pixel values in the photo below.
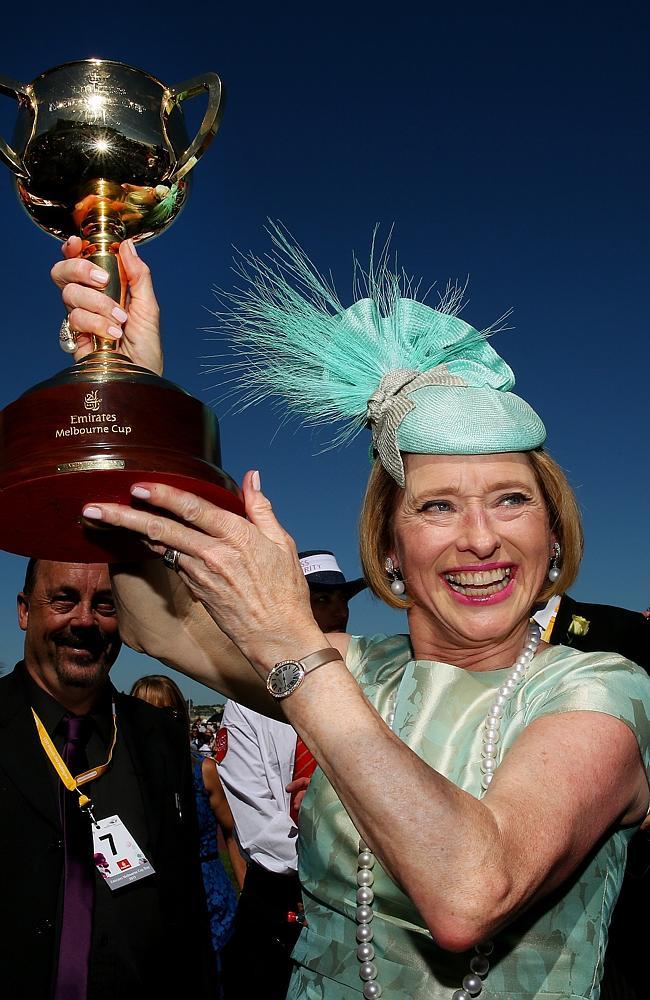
[{"x": 79, "y": 878}]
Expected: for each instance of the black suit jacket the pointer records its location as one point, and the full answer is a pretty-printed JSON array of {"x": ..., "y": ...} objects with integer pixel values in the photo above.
[
  {"x": 626, "y": 632},
  {"x": 179, "y": 961},
  {"x": 611, "y": 629}
]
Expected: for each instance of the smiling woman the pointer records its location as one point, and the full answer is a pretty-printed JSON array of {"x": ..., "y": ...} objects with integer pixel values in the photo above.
[
  {"x": 467, "y": 829},
  {"x": 383, "y": 495},
  {"x": 471, "y": 533}
]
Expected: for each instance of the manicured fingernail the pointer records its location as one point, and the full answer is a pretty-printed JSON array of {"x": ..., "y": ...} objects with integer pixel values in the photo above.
[
  {"x": 131, "y": 246},
  {"x": 119, "y": 315},
  {"x": 255, "y": 481},
  {"x": 94, "y": 513},
  {"x": 115, "y": 331},
  {"x": 99, "y": 276},
  {"x": 140, "y": 492}
]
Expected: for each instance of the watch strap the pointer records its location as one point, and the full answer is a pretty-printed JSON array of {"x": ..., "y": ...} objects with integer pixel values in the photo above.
[{"x": 319, "y": 658}]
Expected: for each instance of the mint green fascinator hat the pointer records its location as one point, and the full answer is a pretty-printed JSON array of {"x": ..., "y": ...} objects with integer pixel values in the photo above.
[{"x": 423, "y": 380}]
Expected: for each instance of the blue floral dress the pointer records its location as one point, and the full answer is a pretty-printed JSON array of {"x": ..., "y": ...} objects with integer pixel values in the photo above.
[{"x": 219, "y": 890}]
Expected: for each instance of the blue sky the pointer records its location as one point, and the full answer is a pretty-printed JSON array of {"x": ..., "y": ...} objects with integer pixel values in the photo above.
[{"x": 507, "y": 142}]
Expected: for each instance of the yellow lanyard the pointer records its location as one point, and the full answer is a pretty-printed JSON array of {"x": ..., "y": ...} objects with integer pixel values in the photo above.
[
  {"x": 548, "y": 631},
  {"x": 61, "y": 768}
]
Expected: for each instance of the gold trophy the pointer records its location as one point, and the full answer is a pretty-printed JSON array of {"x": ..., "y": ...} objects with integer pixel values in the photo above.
[{"x": 100, "y": 151}]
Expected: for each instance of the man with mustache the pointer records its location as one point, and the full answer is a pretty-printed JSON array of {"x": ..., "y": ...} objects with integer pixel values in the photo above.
[{"x": 101, "y": 893}]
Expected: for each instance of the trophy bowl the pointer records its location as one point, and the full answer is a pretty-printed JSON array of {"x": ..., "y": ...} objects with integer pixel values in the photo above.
[{"x": 100, "y": 150}]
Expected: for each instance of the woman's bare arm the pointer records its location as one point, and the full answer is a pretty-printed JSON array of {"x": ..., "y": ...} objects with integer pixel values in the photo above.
[
  {"x": 470, "y": 866},
  {"x": 159, "y": 616},
  {"x": 223, "y": 816},
  {"x": 157, "y": 613}
]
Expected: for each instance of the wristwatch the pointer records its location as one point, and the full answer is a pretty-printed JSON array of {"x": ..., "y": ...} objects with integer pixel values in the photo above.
[{"x": 287, "y": 676}]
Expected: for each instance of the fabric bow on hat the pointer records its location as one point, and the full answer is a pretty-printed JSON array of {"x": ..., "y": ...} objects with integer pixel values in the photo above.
[{"x": 390, "y": 403}]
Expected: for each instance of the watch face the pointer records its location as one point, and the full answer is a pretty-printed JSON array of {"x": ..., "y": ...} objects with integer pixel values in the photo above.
[{"x": 285, "y": 678}]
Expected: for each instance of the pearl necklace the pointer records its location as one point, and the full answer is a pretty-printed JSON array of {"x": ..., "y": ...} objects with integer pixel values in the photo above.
[{"x": 480, "y": 964}]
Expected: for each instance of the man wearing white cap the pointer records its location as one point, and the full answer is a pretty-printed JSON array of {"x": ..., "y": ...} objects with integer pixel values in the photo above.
[{"x": 257, "y": 760}]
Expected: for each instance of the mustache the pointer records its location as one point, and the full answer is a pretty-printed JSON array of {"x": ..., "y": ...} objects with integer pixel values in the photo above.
[{"x": 93, "y": 640}]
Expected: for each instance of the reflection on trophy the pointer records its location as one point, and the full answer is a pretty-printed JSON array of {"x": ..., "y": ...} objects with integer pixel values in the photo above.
[{"x": 100, "y": 151}]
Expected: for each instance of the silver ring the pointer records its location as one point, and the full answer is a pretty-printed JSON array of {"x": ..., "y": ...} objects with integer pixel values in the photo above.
[
  {"x": 67, "y": 337},
  {"x": 170, "y": 559}
]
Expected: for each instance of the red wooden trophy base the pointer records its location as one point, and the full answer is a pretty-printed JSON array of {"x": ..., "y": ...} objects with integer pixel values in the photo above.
[{"x": 89, "y": 434}]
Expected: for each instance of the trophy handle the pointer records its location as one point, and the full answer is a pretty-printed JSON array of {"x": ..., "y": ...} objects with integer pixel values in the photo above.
[
  {"x": 211, "y": 118},
  {"x": 10, "y": 156}
]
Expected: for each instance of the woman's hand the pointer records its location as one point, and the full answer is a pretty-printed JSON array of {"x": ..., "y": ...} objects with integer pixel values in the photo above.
[
  {"x": 246, "y": 573},
  {"x": 136, "y": 330}
]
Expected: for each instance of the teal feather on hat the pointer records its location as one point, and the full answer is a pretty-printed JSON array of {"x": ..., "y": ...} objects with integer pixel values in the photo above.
[{"x": 422, "y": 378}]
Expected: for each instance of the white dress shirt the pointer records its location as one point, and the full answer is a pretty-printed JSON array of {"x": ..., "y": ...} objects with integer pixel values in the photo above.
[
  {"x": 545, "y": 617},
  {"x": 255, "y": 766}
]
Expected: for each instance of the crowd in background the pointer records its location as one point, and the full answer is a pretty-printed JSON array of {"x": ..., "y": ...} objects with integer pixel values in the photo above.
[{"x": 203, "y": 736}]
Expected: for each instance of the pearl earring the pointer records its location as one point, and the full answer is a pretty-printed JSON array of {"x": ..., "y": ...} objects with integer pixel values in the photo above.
[
  {"x": 397, "y": 584},
  {"x": 554, "y": 571}
]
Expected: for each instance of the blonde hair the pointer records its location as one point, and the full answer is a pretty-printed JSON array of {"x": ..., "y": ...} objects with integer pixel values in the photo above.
[
  {"x": 162, "y": 692},
  {"x": 380, "y": 504}
]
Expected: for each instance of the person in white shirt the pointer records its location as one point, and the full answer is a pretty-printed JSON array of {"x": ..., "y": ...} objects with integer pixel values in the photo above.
[{"x": 256, "y": 757}]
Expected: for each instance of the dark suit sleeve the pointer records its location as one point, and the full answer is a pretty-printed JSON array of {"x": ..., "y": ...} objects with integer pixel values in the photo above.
[
  {"x": 189, "y": 886},
  {"x": 611, "y": 629},
  {"x": 160, "y": 742},
  {"x": 618, "y": 630}
]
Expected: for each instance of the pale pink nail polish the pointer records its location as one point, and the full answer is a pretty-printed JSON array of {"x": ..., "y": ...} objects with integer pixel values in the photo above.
[
  {"x": 255, "y": 481},
  {"x": 140, "y": 492},
  {"x": 119, "y": 315},
  {"x": 94, "y": 513},
  {"x": 98, "y": 276},
  {"x": 115, "y": 331}
]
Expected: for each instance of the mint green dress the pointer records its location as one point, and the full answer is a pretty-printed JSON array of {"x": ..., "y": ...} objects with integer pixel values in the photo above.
[{"x": 555, "y": 950}]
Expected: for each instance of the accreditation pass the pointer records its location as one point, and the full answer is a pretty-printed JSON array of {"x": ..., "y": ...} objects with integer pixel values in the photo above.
[{"x": 118, "y": 858}]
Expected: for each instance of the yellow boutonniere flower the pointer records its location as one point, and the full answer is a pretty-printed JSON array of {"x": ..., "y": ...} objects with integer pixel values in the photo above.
[{"x": 579, "y": 625}]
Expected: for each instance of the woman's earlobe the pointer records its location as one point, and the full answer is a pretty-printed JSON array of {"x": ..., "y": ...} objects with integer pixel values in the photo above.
[
  {"x": 554, "y": 569},
  {"x": 397, "y": 584}
]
